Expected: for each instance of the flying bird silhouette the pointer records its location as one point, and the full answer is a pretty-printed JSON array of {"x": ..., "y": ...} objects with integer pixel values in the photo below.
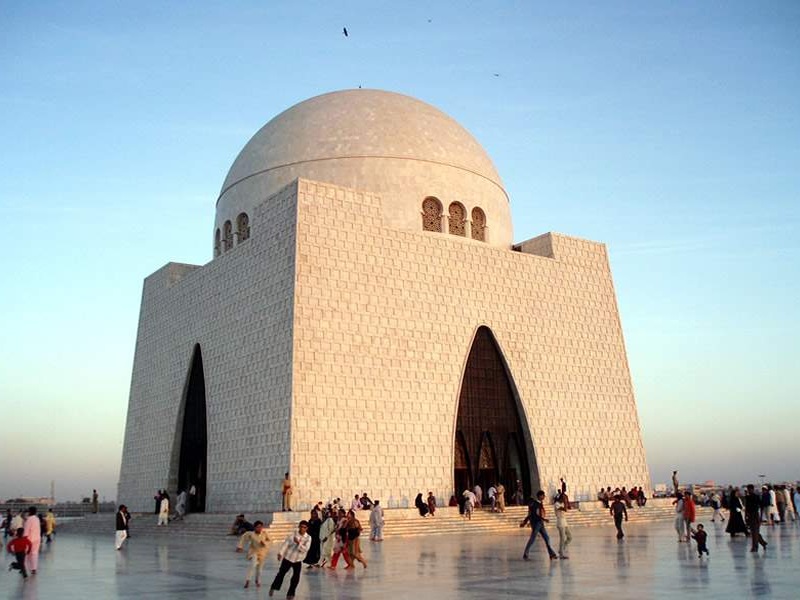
[{"x": 344, "y": 31}]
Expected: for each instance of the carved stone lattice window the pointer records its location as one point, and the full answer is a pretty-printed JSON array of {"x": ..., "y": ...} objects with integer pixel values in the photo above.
[
  {"x": 458, "y": 219},
  {"x": 431, "y": 215},
  {"x": 243, "y": 227},
  {"x": 217, "y": 244},
  {"x": 227, "y": 236},
  {"x": 478, "y": 224},
  {"x": 486, "y": 460},
  {"x": 460, "y": 455}
]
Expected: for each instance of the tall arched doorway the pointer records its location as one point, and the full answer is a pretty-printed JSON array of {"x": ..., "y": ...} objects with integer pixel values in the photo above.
[
  {"x": 194, "y": 436},
  {"x": 463, "y": 472},
  {"x": 489, "y": 423}
]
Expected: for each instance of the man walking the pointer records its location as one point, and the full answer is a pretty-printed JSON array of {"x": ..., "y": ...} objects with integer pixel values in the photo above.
[
  {"x": 752, "y": 511},
  {"x": 618, "y": 511},
  {"x": 180, "y": 505},
  {"x": 33, "y": 531},
  {"x": 537, "y": 520},
  {"x": 564, "y": 534},
  {"x": 292, "y": 552},
  {"x": 122, "y": 526},
  {"x": 716, "y": 504},
  {"x": 679, "y": 520},
  {"x": 95, "y": 503}
]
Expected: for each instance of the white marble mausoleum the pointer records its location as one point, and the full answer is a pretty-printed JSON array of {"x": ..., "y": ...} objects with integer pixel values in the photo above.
[{"x": 368, "y": 324}]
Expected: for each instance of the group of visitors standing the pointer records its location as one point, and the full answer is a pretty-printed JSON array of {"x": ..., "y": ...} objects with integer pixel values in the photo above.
[{"x": 634, "y": 496}]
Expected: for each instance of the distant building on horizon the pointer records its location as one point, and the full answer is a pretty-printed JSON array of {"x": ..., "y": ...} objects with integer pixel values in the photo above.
[{"x": 368, "y": 324}]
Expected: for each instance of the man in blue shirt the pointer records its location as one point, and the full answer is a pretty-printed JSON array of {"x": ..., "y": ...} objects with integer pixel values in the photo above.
[{"x": 537, "y": 520}]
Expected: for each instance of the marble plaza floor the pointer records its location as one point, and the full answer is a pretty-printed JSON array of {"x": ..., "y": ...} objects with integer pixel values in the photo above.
[{"x": 649, "y": 563}]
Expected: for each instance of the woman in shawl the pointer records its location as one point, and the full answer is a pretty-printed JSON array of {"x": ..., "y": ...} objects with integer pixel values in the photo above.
[
  {"x": 422, "y": 507},
  {"x": 340, "y": 542},
  {"x": 736, "y": 521},
  {"x": 327, "y": 534},
  {"x": 314, "y": 524}
]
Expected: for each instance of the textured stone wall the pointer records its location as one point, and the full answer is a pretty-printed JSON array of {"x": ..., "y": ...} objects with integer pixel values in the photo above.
[
  {"x": 239, "y": 309},
  {"x": 335, "y": 345},
  {"x": 384, "y": 320}
]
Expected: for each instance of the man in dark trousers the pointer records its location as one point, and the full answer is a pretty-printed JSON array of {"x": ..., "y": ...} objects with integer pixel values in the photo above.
[
  {"x": 20, "y": 546},
  {"x": 292, "y": 552},
  {"x": 618, "y": 510},
  {"x": 121, "y": 527},
  {"x": 752, "y": 511},
  {"x": 537, "y": 520}
]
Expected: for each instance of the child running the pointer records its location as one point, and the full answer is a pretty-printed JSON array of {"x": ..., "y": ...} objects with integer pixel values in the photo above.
[
  {"x": 20, "y": 546},
  {"x": 258, "y": 541},
  {"x": 701, "y": 537}
]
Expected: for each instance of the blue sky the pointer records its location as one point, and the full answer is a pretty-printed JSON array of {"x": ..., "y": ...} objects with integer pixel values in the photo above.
[{"x": 670, "y": 132}]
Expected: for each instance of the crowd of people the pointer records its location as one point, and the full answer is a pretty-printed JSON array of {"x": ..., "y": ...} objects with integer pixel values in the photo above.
[
  {"x": 634, "y": 496},
  {"x": 26, "y": 530},
  {"x": 332, "y": 531},
  {"x": 747, "y": 512}
]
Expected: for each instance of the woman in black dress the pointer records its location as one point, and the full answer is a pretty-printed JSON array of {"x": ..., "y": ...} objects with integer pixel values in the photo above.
[
  {"x": 736, "y": 521},
  {"x": 421, "y": 505},
  {"x": 313, "y": 556}
]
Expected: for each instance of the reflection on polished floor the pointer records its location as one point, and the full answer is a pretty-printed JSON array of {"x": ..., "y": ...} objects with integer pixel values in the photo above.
[{"x": 649, "y": 563}]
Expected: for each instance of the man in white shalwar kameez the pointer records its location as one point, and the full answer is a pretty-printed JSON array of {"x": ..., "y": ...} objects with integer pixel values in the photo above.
[
  {"x": 163, "y": 514},
  {"x": 33, "y": 531},
  {"x": 376, "y": 522},
  {"x": 180, "y": 505}
]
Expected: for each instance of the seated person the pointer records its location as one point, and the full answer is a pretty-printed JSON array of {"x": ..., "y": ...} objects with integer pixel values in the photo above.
[{"x": 240, "y": 526}]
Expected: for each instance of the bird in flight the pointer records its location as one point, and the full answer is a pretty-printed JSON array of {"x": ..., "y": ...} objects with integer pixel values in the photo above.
[{"x": 344, "y": 31}]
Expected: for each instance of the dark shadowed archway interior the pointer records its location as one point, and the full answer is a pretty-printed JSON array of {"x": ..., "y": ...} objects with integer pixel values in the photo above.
[
  {"x": 194, "y": 442},
  {"x": 489, "y": 446}
]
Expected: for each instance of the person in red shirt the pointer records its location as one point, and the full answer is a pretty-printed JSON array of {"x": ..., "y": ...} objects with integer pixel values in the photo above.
[
  {"x": 19, "y": 547},
  {"x": 689, "y": 513}
]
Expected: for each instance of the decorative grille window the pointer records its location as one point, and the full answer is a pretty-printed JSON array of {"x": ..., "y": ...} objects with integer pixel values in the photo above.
[
  {"x": 458, "y": 219},
  {"x": 227, "y": 236},
  {"x": 243, "y": 227},
  {"x": 431, "y": 215},
  {"x": 478, "y": 224}
]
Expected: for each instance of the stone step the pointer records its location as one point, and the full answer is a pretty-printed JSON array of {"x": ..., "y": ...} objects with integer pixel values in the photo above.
[{"x": 398, "y": 522}]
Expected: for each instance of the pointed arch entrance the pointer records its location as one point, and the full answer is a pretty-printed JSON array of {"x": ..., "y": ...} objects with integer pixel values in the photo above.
[
  {"x": 463, "y": 472},
  {"x": 194, "y": 435},
  {"x": 489, "y": 424}
]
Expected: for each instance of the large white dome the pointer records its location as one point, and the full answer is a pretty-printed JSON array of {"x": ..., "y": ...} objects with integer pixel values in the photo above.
[{"x": 381, "y": 142}]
